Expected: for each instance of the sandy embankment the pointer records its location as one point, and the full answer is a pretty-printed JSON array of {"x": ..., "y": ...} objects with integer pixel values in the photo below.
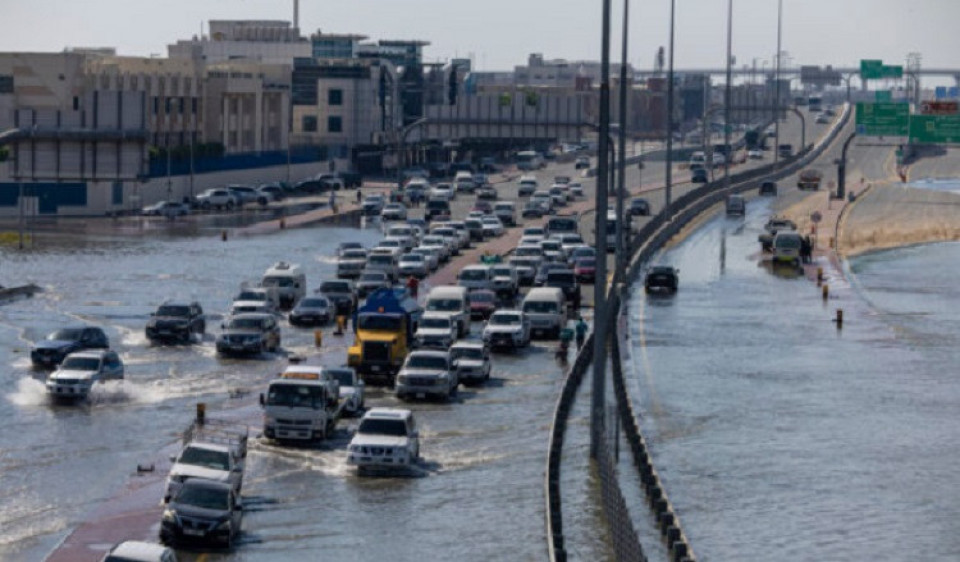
[{"x": 889, "y": 215}]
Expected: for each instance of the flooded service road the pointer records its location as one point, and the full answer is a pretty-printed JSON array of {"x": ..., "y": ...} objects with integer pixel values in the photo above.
[
  {"x": 476, "y": 495},
  {"x": 779, "y": 436}
]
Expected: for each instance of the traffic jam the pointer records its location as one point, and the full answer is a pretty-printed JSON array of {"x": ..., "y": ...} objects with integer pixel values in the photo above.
[{"x": 428, "y": 310}]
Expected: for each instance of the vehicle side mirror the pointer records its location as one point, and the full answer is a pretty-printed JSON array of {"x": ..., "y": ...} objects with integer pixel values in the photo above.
[
  {"x": 415, "y": 434},
  {"x": 237, "y": 469},
  {"x": 173, "y": 458},
  {"x": 263, "y": 400},
  {"x": 223, "y": 326}
]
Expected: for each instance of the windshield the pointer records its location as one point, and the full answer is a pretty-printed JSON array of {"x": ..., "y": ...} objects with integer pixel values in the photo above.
[
  {"x": 432, "y": 362},
  {"x": 528, "y": 252},
  {"x": 217, "y": 460},
  {"x": 373, "y": 276},
  {"x": 334, "y": 287},
  {"x": 278, "y": 281},
  {"x": 295, "y": 396},
  {"x": 380, "y": 259},
  {"x": 481, "y": 297},
  {"x": 81, "y": 364},
  {"x": 551, "y": 245},
  {"x": 372, "y": 426},
  {"x": 502, "y": 272},
  {"x": 355, "y": 254},
  {"x": 540, "y": 307},
  {"x": 586, "y": 262},
  {"x": 474, "y": 274},
  {"x": 445, "y": 305},
  {"x": 412, "y": 258},
  {"x": 313, "y": 302},
  {"x": 466, "y": 353},
  {"x": 251, "y": 296},
  {"x": 435, "y": 322},
  {"x": 203, "y": 497},
  {"x": 67, "y": 334},
  {"x": 245, "y": 323},
  {"x": 504, "y": 319},
  {"x": 343, "y": 376},
  {"x": 787, "y": 242},
  {"x": 172, "y": 310},
  {"x": 379, "y": 322}
]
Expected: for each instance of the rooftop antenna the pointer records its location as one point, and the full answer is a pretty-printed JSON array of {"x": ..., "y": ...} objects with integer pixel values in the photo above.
[{"x": 296, "y": 14}]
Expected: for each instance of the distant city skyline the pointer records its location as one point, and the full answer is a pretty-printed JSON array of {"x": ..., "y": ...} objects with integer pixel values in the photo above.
[{"x": 498, "y": 34}]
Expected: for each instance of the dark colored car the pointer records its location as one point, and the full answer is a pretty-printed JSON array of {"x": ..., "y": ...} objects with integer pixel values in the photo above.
[
  {"x": 202, "y": 511},
  {"x": 768, "y": 188},
  {"x": 639, "y": 206},
  {"x": 176, "y": 321},
  {"x": 351, "y": 179},
  {"x": 487, "y": 191},
  {"x": 540, "y": 278},
  {"x": 437, "y": 208},
  {"x": 482, "y": 303},
  {"x": 484, "y": 207},
  {"x": 566, "y": 281},
  {"x": 341, "y": 293},
  {"x": 662, "y": 278},
  {"x": 585, "y": 269},
  {"x": 51, "y": 351},
  {"x": 699, "y": 175}
]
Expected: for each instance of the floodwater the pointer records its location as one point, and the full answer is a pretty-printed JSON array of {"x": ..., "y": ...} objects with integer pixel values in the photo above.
[
  {"x": 780, "y": 437},
  {"x": 478, "y": 494}
]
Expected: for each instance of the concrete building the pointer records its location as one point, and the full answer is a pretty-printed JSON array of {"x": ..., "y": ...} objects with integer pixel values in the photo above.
[
  {"x": 561, "y": 73},
  {"x": 247, "y": 106},
  {"x": 264, "y": 41}
]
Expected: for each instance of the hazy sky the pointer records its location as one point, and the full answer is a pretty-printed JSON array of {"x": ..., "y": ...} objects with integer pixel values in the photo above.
[{"x": 499, "y": 34}]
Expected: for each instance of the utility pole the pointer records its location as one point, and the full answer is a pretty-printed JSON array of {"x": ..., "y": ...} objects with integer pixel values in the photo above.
[{"x": 600, "y": 299}]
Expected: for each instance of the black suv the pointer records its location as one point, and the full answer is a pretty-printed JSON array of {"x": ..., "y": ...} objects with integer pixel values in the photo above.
[
  {"x": 51, "y": 351},
  {"x": 202, "y": 511},
  {"x": 176, "y": 321},
  {"x": 640, "y": 207},
  {"x": 566, "y": 281},
  {"x": 662, "y": 278}
]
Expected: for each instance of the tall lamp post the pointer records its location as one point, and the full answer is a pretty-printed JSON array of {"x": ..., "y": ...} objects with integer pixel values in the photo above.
[
  {"x": 622, "y": 152},
  {"x": 668, "y": 185},
  {"x": 597, "y": 402},
  {"x": 776, "y": 101},
  {"x": 726, "y": 110}
]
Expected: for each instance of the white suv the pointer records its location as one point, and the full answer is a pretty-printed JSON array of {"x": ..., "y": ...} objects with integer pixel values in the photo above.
[
  {"x": 387, "y": 438},
  {"x": 216, "y": 198}
]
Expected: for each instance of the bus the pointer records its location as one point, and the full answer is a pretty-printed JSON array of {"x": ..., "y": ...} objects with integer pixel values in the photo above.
[
  {"x": 528, "y": 160},
  {"x": 815, "y": 103}
]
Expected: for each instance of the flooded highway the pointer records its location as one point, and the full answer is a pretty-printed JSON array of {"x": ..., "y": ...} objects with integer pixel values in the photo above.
[{"x": 779, "y": 436}]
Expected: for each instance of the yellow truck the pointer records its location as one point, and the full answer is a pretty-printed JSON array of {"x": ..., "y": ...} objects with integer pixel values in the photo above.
[{"x": 384, "y": 328}]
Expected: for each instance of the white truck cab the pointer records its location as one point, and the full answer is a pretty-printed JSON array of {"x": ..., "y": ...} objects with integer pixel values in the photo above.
[
  {"x": 303, "y": 404},
  {"x": 289, "y": 281}
]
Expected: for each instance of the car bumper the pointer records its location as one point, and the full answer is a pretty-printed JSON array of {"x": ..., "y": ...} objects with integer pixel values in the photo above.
[
  {"x": 291, "y": 432},
  {"x": 309, "y": 319},
  {"x": 68, "y": 391},
  {"x": 239, "y": 349},
  {"x": 407, "y": 389},
  {"x": 172, "y": 533}
]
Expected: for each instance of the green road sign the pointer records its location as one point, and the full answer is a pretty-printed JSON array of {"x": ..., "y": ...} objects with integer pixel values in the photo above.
[
  {"x": 883, "y": 96},
  {"x": 883, "y": 119},
  {"x": 875, "y": 70},
  {"x": 871, "y": 69},
  {"x": 935, "y": 129}
]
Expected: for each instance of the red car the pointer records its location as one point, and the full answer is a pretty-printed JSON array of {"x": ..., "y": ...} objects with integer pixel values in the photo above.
[
  {"x": 484, "y": 207},
  {"x": 482, "y": 303},
  {"x": 585, "y": 269}
]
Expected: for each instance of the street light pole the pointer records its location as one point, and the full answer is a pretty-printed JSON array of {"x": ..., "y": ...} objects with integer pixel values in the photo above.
[
  {"x": 776, "y": 101},
  {"x": 668, "y": 186},
  {"x": 622, "y": 150},
  {"x": 600, "y": 299},
  {"x": 726, "y": 112}
]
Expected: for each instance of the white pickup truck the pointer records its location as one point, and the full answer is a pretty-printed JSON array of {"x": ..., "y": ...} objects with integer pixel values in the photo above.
[{"x": 212, "y": 450}]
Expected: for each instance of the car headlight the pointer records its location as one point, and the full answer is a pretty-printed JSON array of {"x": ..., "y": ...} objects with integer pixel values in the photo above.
[
  {"x": 252, "y": 339},
  {"x": 223, "y": 525},
  {"x": 169, "y": 515}
]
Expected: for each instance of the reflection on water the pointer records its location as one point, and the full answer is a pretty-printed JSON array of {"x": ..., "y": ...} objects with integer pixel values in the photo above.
[{"x": 777, "y": 433}]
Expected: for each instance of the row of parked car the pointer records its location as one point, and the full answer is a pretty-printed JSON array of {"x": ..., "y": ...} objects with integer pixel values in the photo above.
[{"x": 235, "y": 196}]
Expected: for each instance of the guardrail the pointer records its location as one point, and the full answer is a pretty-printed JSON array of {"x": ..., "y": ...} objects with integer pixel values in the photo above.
[{"x": 646, "y": 242}]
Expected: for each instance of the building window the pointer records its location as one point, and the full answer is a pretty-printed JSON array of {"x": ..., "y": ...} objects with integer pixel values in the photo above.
[
  {"x": 183, "y": 103},
  {"x": 156, "y": 105},
  {"x": 117, "y": 198},
  {"x": 309, "y": 123},
  {"x": 334, "y": 124},
  {"x": 193, "y": 105},
  {"x": 335, "y": 97},
  {"x": 76, "y": 103},
  {"x": 166, "y": 105}
]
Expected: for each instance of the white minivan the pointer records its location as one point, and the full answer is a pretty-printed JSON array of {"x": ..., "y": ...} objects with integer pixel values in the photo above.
[
  {"x": 475, "y": 277},
  {"x": 546, "y": 308},
  {"x": 452, "y": 300}
]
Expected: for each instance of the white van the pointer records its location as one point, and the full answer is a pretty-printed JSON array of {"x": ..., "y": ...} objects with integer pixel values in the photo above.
[
  {"x": 476, "y": 277},
  {"x": 546, "y": 308},
  {"x": 454, "y": 301},
  {"x": 698, "y": 160},
  {"x": 289, "y": 281},
  {"x": 527, "y": 185}
]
